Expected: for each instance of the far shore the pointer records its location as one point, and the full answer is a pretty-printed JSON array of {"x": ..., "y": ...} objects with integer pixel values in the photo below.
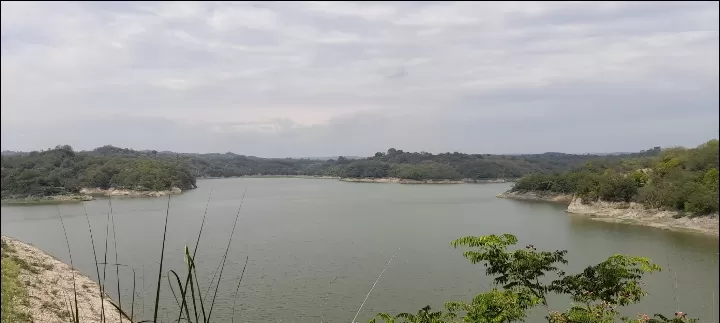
[
  {"x": 629, "y": 213},
  {"x": 381, "y": 180}
]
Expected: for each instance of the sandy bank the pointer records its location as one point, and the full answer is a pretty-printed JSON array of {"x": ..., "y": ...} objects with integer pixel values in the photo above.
[{"x": 49, "y": 284}]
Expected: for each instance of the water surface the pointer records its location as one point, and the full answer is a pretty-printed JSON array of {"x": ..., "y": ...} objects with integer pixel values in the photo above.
[{"x": 315, "y": 247}]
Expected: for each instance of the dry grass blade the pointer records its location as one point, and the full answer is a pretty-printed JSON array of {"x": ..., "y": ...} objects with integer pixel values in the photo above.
[
  {"x": 232, "y": 232},
  {"x": 97, "y": 267},
  {"x": 76, "y": 314},
  {"x": 117, "y": 268},
  {"x": 373, "y": 286},
  {"x": 107, "y": 237},
  {"x": 162, "y": 257},
  {"x": 238, "y": 288}
]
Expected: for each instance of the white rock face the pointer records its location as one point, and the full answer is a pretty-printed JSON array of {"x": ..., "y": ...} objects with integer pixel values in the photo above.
[
  {"x": 126, "y": 192},
  {"x": 632, "y": 213},
  {"x": 638, "y": 214}
]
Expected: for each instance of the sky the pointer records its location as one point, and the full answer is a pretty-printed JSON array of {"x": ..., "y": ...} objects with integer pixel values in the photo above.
[{"x": 293, "y": 79}]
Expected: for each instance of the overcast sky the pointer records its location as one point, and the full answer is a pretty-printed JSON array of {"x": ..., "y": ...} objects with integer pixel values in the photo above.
[{"x": 342, "y": 78}]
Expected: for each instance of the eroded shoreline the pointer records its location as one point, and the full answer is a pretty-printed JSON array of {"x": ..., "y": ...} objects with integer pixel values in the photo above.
[
  {"x": 49, "y": 283},
  {"x": 89, "y": 194},
  {"x": 629, "y": 213}
]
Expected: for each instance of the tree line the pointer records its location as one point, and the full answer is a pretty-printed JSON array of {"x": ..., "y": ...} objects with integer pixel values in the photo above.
[
  {"x": 393, "y": 163},
  {"x": 61, "y": 171},
  {"x": 678, "y": 179}
]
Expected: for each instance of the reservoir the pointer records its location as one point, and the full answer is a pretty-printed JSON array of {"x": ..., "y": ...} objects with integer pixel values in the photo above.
[{"x": 316, "y": 246}]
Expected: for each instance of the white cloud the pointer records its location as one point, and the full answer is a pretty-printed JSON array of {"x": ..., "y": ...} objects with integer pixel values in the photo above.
[
  {"x": 227, "y": 19},
  {"x": 315, "y": 63}
]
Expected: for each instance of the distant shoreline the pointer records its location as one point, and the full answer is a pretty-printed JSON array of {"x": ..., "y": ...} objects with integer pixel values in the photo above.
[{"x": 381, "y": 179}]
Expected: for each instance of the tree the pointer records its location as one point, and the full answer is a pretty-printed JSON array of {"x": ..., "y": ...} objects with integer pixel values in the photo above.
[{"x": 519, "y": 286}]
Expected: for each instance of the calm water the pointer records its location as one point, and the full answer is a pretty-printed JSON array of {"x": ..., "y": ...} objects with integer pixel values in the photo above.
[{"x": 315, "y": 247}]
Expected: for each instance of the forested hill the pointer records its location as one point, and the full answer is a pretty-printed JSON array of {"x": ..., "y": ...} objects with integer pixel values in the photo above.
[
  {"x": 680, "y": 179},
  {"x": 61, "y": 171},
  {"x": 393, "y": 163}
]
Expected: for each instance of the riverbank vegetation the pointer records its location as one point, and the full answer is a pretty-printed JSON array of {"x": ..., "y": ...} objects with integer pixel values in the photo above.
[
  {"x": 678, "y": 179},
  {"x": 62, "y": 171}
]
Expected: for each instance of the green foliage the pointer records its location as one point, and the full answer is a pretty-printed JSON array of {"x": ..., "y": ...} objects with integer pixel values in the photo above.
[
  {"x": 424, "y": 315},
  {"x": 615, "y": 281},
  {"x": 14, "y": 292},
  {"x": 491, "y": 307},
  {"x": 394, "y": 163},
  {"x": 519, "y": 270},
  {"x": 62, "y": 171},
  {"x": 679, "y": 179},
  {"x": 521, "y": 284}
]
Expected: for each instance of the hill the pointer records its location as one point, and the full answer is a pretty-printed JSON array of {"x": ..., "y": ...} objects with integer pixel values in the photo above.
[
  {"x": 678, "y": 179},
  {"x": 393, "y": 163},
  {"x": 62, "y": 170}
]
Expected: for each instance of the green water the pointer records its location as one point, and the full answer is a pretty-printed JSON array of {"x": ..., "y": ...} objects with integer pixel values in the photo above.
[{"x": 315, "y": 247}]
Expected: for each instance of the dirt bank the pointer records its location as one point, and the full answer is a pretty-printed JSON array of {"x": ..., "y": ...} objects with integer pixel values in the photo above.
[
  {"x": 631, "y": 213},
  {"x": 126, "y": 192},
  {"x": 634, "y": 213},
  {"x": 49, "y": 284},
  {"x": 537, "y": 196}
]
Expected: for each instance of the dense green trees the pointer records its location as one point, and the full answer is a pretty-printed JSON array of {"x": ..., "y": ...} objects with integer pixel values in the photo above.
[
  {"x": 393, "y": 163},
  {"x": 678, "y": 178},
  {"x": 522, "y": 282},
  {"x": 62, "y": 171},
  {"x": 424, "y": 166}
]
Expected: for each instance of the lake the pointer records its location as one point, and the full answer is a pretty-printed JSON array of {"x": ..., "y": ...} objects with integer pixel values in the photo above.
[{"x": 316, "y": 246}]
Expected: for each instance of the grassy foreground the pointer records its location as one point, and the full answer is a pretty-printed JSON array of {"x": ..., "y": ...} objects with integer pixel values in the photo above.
[{"x": 14, "y": 292}]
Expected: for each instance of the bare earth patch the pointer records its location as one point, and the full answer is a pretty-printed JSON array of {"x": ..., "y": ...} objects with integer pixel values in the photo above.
[
  {"x": 537, "y": 196},
  {"x": 630, "y": 213},
  {"x": 634, "y": 213},
  {"x": 50, "y": 288}
]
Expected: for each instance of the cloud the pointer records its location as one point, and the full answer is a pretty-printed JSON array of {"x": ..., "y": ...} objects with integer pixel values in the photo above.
[{"x": 329, "y": 78}]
